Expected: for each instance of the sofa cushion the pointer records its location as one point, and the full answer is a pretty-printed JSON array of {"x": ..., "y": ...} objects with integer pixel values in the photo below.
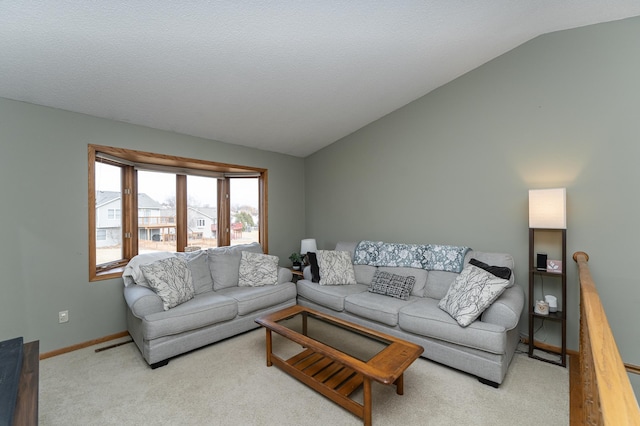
[
  {"x": 393, "y": 285},
  {"x": 348, "y": 246},
  {"x": 335, "y": 268},
  {"x": 198, "y": 263},
  {"x": 331, "y": 297},
  {"x": 252, "y": 299},
  {"x": 364, "y": 273},
  {"x": 224, "y": 263},
  {"x": 376, "y": 307},
  {"x": 171, "y": 279},
  {"x": 471, "y": 293},
  {"x": 257, "y": 269},
  {"x": 425, "y": 318},
  {"x": 203, "y": 310},
  {"x": 438, "y": 283}
]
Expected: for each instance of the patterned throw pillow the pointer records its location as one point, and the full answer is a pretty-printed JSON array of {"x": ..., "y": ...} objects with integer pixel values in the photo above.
[
  {"x": 171, "y": 280},
  {"x": 257, "y": 269},
  {"x": 335, "y": 268},
  {"x": 392, "y": 285},
  {"x": 473, "y": 291}
]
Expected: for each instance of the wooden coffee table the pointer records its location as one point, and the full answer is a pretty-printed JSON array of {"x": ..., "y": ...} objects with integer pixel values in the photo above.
[{"x": 338, "y": 357}]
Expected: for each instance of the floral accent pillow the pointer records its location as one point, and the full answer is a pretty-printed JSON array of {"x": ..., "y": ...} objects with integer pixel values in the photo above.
[
  {"x": 473, "y": 291},
  {"x": 171, "y": 280},
  {"x": 335, "y": 268},
  {"x": 392, "y": 285},
  {"x": 257, "y": 269}
]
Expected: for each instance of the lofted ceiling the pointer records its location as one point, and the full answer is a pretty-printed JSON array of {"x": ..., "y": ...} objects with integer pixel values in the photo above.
[{"x": 287, "y": 76}]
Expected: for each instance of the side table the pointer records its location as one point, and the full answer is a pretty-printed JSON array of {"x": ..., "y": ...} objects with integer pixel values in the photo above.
[{"x": 297, "y": 274}]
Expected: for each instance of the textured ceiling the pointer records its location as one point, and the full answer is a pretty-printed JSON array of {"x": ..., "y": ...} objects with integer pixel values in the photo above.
[{"x": 284, "y": 76}]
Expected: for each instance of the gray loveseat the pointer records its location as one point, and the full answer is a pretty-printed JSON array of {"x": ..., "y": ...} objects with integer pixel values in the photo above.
[
  {"x": 219, "y": 309},
  {"x": 484, "y": 348}
]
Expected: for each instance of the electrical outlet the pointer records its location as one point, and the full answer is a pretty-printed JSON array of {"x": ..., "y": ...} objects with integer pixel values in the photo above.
[{"x": 63, "y": 316}]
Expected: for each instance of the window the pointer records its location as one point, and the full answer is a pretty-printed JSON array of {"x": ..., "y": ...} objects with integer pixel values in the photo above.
[
  {"x": 142, "y": 202},
  {"x": 113, "y": 214}
]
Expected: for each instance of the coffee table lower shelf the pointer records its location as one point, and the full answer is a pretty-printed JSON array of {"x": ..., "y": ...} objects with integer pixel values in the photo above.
[{"x": 332, "y": 379}]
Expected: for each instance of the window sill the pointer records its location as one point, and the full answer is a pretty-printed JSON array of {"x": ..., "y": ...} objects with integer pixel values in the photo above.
[{"x": 108, "y": 275}]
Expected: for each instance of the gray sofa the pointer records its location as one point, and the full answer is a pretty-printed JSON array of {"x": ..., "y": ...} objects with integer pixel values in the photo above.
[
  {"x": 219, "y": 309},
  {"x": 484, "y": 348}
]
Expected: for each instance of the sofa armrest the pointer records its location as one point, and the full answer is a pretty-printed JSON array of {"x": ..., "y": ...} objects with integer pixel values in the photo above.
[
  {"x": 142, "y": 300},
  {"x": 506, "y": 310},
  {"x": 284, "y": 275}
]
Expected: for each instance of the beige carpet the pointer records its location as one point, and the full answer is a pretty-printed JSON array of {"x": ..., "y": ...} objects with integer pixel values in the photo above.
[{"x": 228, "y": 383}]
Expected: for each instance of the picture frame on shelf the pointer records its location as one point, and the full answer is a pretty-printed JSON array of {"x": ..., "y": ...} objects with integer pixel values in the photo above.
[{"x": 554, "y": 266}]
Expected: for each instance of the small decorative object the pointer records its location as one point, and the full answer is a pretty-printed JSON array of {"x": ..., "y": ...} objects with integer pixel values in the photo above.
[
  {"x": 554, "y": 266},
  {"x": 296, "y": 259},
  {"x": 552, "y": 301},
  {"x": 541, "y": 263},
  {"x": 541, "y": 308}
]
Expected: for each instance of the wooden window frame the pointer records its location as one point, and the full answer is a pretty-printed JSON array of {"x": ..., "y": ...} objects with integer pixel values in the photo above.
[{"x": 125, "y": 158}]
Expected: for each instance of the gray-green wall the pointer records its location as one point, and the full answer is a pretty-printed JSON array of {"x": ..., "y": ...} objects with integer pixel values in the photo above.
[
  {"x": 455, "y": 166},
  {"x": 44, "y": 217}
]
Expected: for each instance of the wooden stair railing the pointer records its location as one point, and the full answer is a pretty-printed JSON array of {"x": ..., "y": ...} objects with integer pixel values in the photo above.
[{"x": 607, "y": 396}]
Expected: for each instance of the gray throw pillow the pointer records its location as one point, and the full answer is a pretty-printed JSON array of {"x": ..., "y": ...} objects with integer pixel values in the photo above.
[
  {"x": 473, "y": 291},
  {"x": 392, "y": 285},
  {"x": 224, "y": 263},
  {"x": 200, "y": 272},
  {"x": 171, "y": 280}
]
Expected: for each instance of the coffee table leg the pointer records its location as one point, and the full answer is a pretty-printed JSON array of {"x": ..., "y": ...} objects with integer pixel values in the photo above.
[
  {"x": 269, "y": 364},
  {"x": 400, "y": 385},
  {"x": 367, "y": 401},
  {"x": 304, "y": 323}
]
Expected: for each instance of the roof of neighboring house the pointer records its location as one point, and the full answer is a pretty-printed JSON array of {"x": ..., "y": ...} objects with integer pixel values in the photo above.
[
  {"x": 105, "y": 197},
  {"x": 210, "y": 212},
  {"x": 144, "y": 201}
]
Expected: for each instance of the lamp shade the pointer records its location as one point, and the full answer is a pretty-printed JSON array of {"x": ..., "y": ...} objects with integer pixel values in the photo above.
[
  {"x": 548, "y": 208},
  {"x": 308, "y": 245}
]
